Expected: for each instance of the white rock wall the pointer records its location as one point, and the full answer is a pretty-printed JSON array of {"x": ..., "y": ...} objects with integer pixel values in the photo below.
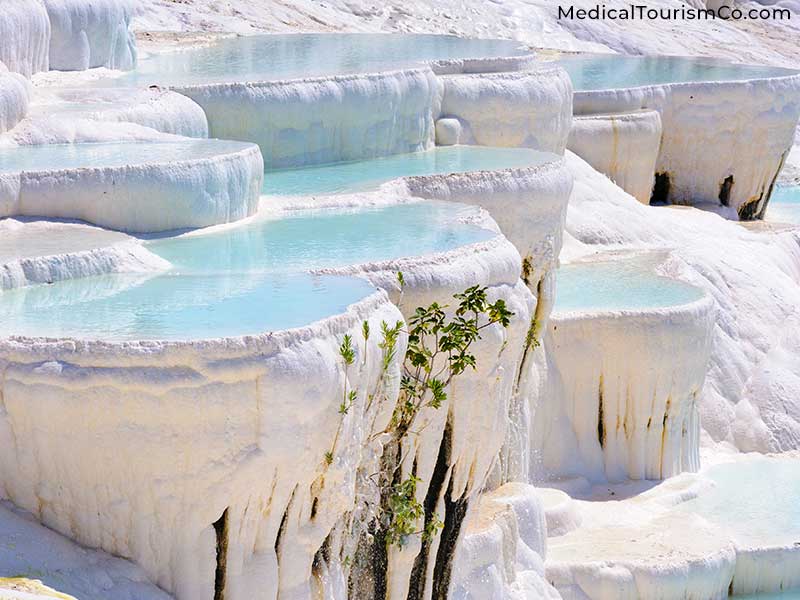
[
  {"x": 128, "y": 257},
  {"x": 754, "y": 279},
  {"x": 530, "y": 207},
  {"x": 106, "y": 115},
  {"x": 458, "y": 451},
  {"x": 700, "y": 148},
  {"x": 164, "y": 111},
  {"x": 622, "y": 146},
  {"x": 499, "y": 64},
  {"x": 14, "y": 98},
  {"x": 164, "y": 438},
  {"x": 304, "y": 122},
  {"x": 624, "y": 392},
  {"x": 91, "y": 33},
  {"x": 218, "y": 425},
  {"x": 504, "y": 546},
  {"x": 527, "y": 108},
  {"x": 528, "y": 204},
  {"x": 24, "y": 36},
  {"x": 142, "y": 198}
]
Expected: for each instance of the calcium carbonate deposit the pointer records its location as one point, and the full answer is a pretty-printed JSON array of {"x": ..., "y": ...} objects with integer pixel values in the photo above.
[{"x": 349, "y": 309}]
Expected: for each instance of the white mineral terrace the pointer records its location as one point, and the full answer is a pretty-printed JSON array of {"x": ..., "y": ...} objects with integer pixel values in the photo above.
[
  {"x": 616, "y": 410},
  {"x": 749, "y": 145},
  {"x": 133, "y": 186},
  {"x": 204, "y": 243}
]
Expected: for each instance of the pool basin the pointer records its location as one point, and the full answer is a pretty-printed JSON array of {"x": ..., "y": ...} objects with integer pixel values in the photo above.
[
  {"x": 756, "y": 499},
  {"x": 619, "y": 285},
  {"x": 761, "y": 107},
  {"x": 785, "y": 205},
  {"x": 359, "y": 176},
  {"x": 133, "y": 186},
  {"x": 619, "y": 409},
  {"x": 242, "y": 280},
  {"x": 291, "y": 56},
  {"x": 611, "y": 71}
]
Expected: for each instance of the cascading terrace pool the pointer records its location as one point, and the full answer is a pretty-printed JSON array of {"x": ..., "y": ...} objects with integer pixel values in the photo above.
[
  {"x": 357, "y": 176},
  {"x": 686, "y": 93},
  {"x": 293, "y": 56},
  {"x": 203, "y": 374},
  {"x": 727, "y": 531},
  {"x": 633, "y": 416},
  {"x": 603, "y": 72},
  {"x": 134, "y": 185},
  {"x": 242, "y": 280},
  {"x": 625, "y": 284}
]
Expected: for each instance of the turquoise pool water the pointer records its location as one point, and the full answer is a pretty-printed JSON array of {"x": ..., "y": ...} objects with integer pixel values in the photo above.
[
  {"x": 117, "y": 154},
  {"x": 624, "y": 284},
  {"x": 307, "y": 240},
  {"x": 290, "y": 56},
  {"x": 784, "y": 205},
  {"x": 240, "y": 280},
  {"x": 361, "y": 175},
  {"x": 600, "y": 72},
  {"x": 757, "y": 499},
  {"x": 175, "y": 306}
]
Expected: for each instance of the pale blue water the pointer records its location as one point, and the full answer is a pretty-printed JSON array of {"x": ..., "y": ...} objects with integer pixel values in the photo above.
[
  {"x": 175, "y": 306},
  {"x": 624, "y": 284},
  {"x": 273, "y": 57},
  {"x": 68, "y": 156},
  {"x": 757, "y": 499},
  {"x": 242, "y": 280},
  {"x": 332, "y": 238},
  {"x": 600, "y": 72},
  {"x": 361, "y": 175},
  {"x": 784, "y": 205}
]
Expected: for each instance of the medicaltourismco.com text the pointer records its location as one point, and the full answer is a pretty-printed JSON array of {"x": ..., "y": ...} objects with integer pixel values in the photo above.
[{"x": 642, "y": 12}]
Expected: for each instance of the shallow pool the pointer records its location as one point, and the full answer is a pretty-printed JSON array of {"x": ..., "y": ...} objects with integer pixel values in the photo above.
[
  {"x": 240, "y": 280},
  {"x": 175, "y": 306},
  {"x": 49, "y": 157},
  {"x": 305, "y": 240},
  {"x": 757, "y": 499},
  {"x": 291, "y": 56},
  {"x": 367, "y": 174},
  {"x": 600, "y": 72},
  {"x": 623, "y": 284},
  {"x": 784, "y": 205}
]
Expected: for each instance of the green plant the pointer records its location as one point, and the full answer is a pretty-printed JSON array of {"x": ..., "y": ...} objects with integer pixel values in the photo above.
[{"x": 439, "y": 350}]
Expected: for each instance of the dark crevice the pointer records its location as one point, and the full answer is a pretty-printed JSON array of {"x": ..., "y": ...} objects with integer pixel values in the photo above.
[
  {"x": 527, "y": 269},
  {"x": 601, "y": 427},
  {"x": 725, "y": 191},
  {"x": 441, "y": 470},
  {"x": 454, "y": 513},
  {"x": 371, "y": 560},
  {"x": 282, "y": 526},
  {"x": 221, "y": 530},
  {"x": 661, "y": 187},
  {"x": 756, "y": 208},
  {"x": 322, "y": 556}
]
